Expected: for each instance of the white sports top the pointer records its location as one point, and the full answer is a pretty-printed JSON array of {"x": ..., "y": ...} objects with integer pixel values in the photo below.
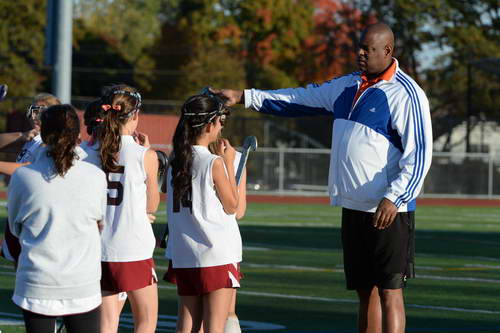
[
  {"x": 203, "y": 235},
  {"x": 57, "y": 302},
  {"x": 127, "y": 234},
  {"x": 27, "y": 154}
]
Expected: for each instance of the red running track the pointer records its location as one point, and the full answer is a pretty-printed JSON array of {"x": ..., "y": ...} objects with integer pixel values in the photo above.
[{"x": 323, "y": 200}]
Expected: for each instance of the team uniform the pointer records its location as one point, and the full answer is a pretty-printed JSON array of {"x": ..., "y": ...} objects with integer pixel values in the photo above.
[
  {"x": 204, "y": 242},
  {"x": 28, "y": 152},
  {"x": 381, "y": 148},
  {"x": 11, "y": 247},
  {"x": 128, "y": 241},
  {"x": 55, "y": 218}
]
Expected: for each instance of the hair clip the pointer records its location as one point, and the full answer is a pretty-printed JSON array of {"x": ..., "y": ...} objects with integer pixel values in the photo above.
[
  {"x": 117, "y": 107},
  {"x": 106, "y": 107}
]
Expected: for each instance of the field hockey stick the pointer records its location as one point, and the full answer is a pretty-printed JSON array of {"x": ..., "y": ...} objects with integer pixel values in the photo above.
[
  {"x": 163, "y": 164},
  {"x": 3, "y": 91},
  {"x": 249, "y": 144}
]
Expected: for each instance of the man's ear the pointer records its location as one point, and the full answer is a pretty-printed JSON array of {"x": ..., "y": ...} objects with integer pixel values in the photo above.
[{"x": 388, "y": 50}]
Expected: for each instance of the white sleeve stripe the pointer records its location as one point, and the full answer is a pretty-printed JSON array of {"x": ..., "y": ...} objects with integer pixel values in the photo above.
[{"x": 419, "y": 143}]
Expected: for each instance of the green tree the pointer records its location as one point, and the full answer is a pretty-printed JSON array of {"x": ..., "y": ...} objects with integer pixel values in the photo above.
[
  {"x": 124, "y": 30},
  {"x": 273, "y": 36},
  {"x": 465, "y": 31},
  {"x": 21, "y": 46}
]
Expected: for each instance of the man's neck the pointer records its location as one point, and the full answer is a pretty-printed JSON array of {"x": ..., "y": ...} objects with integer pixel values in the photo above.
[{"x": 371, "y": 76}]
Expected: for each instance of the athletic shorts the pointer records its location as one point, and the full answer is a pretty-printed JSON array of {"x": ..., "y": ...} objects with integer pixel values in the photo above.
[
  {"x": 373, "y": 257},
  {"x": 203, "y": 280},
  {"x": 127, "y": 276}
]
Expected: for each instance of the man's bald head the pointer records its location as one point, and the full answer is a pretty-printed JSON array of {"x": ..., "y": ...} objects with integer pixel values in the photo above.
[{"x": 376, "y": 48}]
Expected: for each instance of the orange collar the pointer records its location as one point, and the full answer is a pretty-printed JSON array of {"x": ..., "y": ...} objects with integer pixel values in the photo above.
[{"x": 385, "y": 75}]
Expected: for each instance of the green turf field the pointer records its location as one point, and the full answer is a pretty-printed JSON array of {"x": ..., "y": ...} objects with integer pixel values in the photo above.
[{"x": 294, "y": 280}]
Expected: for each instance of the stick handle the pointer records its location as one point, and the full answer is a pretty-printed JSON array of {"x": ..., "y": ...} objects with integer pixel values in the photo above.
[{"x": 241, "y": 165}]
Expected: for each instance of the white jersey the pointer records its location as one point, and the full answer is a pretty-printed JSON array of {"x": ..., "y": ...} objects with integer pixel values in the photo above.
[
  {"x": 27, "y": 154},
  {"x": 127, "y": 234},
  {"x": 55, "y": 219},
  {"x": 201, "y": 234}
]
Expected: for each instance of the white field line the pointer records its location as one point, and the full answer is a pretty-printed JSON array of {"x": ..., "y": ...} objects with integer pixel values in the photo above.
[
  {"x": 451, "y": 278},
  {"x": 339, "y": 269},
  {"x": 431, "y": 255},
  {"x": 340, "y": 300},
  {"x": 350, "y": 301},
  {"x": 482, "y": 266}
]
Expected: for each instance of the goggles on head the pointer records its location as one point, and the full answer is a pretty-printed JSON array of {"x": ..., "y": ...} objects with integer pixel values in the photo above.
[
  {"x": 135, "y": 95},
  {"x": 34, "y": 111},
  {"x": 220, "y": 109}
]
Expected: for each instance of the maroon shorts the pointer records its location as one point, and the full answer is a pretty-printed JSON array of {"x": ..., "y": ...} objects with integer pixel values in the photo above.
[
  {"x": 127, "y": 276},
  {"x": 203, "y": 280}
]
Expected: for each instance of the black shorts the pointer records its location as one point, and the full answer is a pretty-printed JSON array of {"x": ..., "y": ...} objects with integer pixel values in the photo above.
[{"x": 373, "y": 257}]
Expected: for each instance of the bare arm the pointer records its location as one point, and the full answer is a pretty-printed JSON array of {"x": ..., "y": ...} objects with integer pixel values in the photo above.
[
  {"x": 152, "y": 193},
  {"x": 8, "y": 168},
  {"x": 225, "y": 184},
  {"x": 12, "y": 142},
  {"x": 242, "y": 193},
  {"x": 8, "y": 138}
]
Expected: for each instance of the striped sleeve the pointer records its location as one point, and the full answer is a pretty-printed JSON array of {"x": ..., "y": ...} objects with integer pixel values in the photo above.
[
  {"x": 313, "y": 100},
  {"x": 413, "y": 123}
]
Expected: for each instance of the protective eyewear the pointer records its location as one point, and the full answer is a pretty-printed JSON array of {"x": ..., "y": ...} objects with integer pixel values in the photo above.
[
  {"x": 219, "y": 111},
  {"x": 34, "y": 111}
]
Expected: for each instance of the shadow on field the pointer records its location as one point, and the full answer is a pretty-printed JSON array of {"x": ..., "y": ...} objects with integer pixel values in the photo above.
[
  {"x": 7, "y": 306},
  {"x": 457, "y": 243},
  {"x": 302, "y": 317}
]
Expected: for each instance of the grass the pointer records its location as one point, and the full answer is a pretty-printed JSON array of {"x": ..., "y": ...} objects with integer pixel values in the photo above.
[{"x": 294, "y": 280}]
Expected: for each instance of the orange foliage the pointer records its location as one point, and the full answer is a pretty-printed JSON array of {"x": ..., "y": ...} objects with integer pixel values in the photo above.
[
  {"x": 331, "y": 50},
  {"x": 264, "y": 49},
  {"x": 266, "y": 15}
]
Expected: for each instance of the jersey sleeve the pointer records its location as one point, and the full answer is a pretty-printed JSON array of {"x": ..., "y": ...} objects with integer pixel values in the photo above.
[
  {"x": 413, "y": 123},
  {"x": 313, "y": 100}
]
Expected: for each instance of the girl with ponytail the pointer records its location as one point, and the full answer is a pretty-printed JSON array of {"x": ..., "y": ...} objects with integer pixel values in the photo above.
[
  {"x": 127, "y": 236},
  {"x": 54, "y": 206},
  {"x": 204, "y": 242}
]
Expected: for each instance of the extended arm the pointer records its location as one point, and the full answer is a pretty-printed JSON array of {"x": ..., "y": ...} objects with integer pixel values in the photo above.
[
  {"x": 8, "y": 168},
  {"x": 312, "y": 100},
  {"x": 13, "y": 141}
]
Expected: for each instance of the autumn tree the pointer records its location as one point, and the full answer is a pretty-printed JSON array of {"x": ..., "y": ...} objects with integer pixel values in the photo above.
[
  {"x": 22, "y": 43},
  {"x": 119, "y": 35},
  {"x": 331, "y": 50}
]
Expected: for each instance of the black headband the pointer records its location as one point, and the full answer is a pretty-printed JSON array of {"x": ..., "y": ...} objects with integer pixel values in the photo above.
[{"x": 218, "y": 111}]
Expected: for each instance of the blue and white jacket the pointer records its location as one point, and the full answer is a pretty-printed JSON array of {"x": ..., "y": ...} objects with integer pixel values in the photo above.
[{"x": 381, "y": 145}]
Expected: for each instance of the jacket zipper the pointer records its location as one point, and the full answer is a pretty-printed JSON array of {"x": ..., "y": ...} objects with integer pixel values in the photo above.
[{"x": 356, "y": 103}]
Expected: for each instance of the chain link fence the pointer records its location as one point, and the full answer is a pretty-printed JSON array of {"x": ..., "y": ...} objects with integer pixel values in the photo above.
[{"x": 297, "y": 171}]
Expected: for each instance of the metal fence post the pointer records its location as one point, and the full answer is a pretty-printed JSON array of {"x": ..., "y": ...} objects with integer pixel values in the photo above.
[
  {"x": 490, "y": 174},
  {"x": 281, "y": 168}
]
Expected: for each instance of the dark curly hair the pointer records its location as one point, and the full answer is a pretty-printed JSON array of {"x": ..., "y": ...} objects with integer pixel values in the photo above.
[
  {"x": 92, "y": 117},
  {"x": 60, "y": 130}
]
